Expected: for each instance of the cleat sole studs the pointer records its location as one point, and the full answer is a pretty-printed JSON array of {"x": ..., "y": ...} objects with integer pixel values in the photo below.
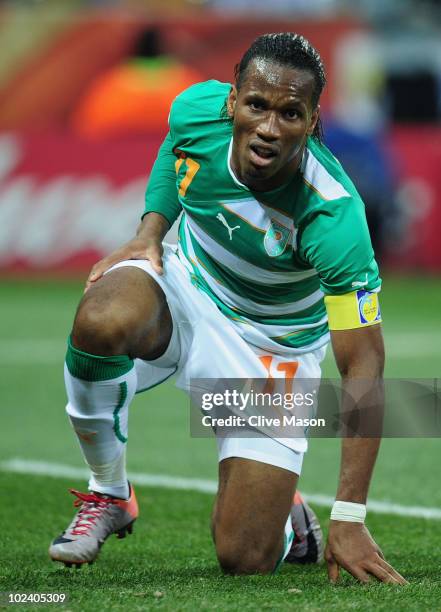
[{"x": 121, "y": 533}]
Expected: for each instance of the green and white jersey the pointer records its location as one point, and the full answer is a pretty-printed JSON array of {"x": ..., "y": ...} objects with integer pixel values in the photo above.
[{"x": 265, "y": 258}]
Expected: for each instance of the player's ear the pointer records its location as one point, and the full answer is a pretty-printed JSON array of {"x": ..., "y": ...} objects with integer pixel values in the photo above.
[
  {"x": 231, "y": 101},
  {"x": 313, "y": 120}
]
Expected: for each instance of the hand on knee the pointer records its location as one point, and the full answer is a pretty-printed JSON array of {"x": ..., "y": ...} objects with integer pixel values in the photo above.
[{"x": 125, "y": 314}]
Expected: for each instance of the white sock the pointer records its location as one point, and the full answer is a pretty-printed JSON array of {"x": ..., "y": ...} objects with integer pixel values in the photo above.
[
  {"x": 288, "y": 540},
  {"x": 98, "y": 411},
  {"x": 289, "y": 537}
]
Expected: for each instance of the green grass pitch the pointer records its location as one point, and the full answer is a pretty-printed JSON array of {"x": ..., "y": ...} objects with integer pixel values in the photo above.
[{"x": 169, "y": 562}]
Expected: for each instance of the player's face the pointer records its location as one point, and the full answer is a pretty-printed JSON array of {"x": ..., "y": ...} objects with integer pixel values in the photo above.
[{"x": 272, "y": 117}]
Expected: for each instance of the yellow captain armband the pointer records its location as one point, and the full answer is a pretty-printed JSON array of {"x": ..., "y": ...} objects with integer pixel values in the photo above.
[{"x": 351, "y": 310}]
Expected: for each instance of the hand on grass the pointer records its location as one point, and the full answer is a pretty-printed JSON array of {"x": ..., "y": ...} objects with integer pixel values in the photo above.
[{"x": 351, "y": 547}]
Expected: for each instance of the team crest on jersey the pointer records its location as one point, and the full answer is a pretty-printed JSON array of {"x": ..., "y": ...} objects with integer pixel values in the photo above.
[
  {"x": 368, "y": 307},
  {"x": 276, "y": 238}
]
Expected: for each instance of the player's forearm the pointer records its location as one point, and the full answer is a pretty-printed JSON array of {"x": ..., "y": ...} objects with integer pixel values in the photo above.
[
  {"x": 362, "y": 413},
  {"x": 357, "y": 464},
  {"x": 153, "y": 226}
]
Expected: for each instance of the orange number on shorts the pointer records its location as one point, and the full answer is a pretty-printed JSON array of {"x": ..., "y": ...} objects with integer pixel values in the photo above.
[
  {"x": 266, "y": 361},
  {"x": 192, "y": 168},
  {"x": 289, "y": 367}
]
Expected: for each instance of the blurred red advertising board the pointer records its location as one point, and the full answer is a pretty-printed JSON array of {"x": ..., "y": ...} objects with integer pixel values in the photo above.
[
  {"x": 64, "y": 203},
  {"x": 416, "y": 151}
]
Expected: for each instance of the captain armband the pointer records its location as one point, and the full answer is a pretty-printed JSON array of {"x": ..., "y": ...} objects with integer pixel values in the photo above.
[{"x": 352, "y": 310}]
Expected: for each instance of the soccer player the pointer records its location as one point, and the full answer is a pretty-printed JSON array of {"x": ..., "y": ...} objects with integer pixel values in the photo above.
[{"x": 274, "y": 260}]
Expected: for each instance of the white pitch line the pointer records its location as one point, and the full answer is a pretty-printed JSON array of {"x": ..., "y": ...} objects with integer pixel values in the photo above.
[{"x": 58, "y": 470}]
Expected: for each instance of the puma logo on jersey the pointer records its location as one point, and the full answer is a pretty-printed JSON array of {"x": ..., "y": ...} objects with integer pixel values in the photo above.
[
  {"x": 230, "y": 230},
  {"x": 360, "y": 283}
]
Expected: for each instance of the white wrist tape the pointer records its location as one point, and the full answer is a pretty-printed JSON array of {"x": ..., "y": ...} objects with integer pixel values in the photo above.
[{"x": 348, "y": 511}]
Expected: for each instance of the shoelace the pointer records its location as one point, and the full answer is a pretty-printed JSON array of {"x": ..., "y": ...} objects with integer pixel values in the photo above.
[{"x": 92, "y": 508}]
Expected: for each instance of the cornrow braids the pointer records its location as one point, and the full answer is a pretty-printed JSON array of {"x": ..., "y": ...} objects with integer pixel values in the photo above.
[{"x": 287, "y": 49}]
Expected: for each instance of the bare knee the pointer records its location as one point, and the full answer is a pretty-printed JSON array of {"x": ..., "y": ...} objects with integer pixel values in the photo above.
[
  {"x": 238, "y": 556},
  {"x": 100, "y": 328},
  {"x": 250, "y": 513},
  {"x": 124, "y": 313}
]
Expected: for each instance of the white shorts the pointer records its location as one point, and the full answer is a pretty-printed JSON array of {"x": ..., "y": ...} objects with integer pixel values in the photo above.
[{"x": 205, "y": 344}]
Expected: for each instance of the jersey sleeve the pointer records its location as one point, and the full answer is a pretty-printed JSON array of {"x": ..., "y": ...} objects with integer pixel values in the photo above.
[
  {"x": 161, "y": 195},
  {"x": 336, "y": 242},
  {"x": 194, "y": 114}
]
